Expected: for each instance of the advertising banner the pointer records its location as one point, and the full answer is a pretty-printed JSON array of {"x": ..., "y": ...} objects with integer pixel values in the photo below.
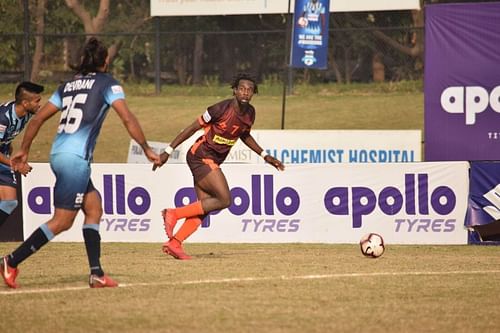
[
  {"x": 462, "y": 82},
  {"x": 484, "y": 194},
  {"x": 136, "y": 154},
  {"x": 311, "y": 146},
  {"x": 407, "y": 203},
  {"x": 310, "y": 34},
  {"x": 235, "y": 7}
]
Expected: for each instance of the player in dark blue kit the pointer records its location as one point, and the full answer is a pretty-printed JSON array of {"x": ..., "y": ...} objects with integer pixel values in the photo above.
[
  {"x": 84, "y": 102},
  {"x": 14, "y": 116}
]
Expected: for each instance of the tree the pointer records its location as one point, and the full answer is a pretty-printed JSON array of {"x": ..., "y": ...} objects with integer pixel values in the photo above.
[
  {"x": 128, "y": 16},
  {"x": 39, "y": 40},
  {"x": 12, "y": 22},
  {"x": 92, "y": 25}
]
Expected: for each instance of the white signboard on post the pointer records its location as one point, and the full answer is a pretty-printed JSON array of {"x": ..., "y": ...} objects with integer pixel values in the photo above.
[
  {"x": 236, "y": 7},
  {"x": 311, "y": 146}
]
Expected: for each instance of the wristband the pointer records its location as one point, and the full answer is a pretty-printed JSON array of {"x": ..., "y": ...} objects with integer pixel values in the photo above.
[
  {"x": 263, "y": 154},
  {"x": 169, "y": 150}
]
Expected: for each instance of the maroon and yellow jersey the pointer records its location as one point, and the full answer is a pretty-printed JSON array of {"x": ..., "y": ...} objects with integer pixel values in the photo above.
[{"x": 223, "y": 127}]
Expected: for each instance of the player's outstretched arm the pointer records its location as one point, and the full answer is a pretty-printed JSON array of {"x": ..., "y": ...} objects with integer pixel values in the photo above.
[
  {"x": 134, "y": 129},
  {"x": 180, "y": 138},
  {"x": 252, "y": 144},
  {"x": 45, "y": 113},
  {"x": 19, "y": 160},
  {"x": 23, "y": 169}
]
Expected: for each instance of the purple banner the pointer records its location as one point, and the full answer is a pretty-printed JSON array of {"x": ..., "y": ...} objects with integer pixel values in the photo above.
[
  {"x": 484, "y": 194},
  {"x": 462, "y": 82},
  {"x": 310, "y": 34}
]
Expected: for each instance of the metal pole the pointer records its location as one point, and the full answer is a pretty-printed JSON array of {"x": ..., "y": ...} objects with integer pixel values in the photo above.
[
  {"x": 26, "y": 42},
  {"x": 287, "y": 78},
  {"x": 157, "y": 56}
]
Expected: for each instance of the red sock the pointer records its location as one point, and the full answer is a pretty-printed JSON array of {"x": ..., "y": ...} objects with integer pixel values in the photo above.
[
  {"x": 188, "y": 227},
  {"x": 190, "y": 210}
]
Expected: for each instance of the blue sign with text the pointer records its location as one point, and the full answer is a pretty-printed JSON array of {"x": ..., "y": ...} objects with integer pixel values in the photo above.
[{"x": 310, "y": 34}]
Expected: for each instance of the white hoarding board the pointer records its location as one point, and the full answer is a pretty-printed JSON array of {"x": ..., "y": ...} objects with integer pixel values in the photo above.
[
  {"x": 230, "y": 7},
  {"x": 312, "y": 146},
  {"x": 136, "y": 154},
  {"x": 408, "y": 203}
]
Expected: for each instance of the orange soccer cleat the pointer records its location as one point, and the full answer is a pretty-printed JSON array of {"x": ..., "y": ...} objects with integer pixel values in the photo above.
[
  {"x": 169, "y": 222},
  {"x": 174, "y": 248}
]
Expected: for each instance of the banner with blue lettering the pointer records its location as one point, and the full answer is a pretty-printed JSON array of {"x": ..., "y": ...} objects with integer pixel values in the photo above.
[
  {"x": 484, "y": 194},
  {"x": 310, "y": 146},
  {"x": 462, "y": 82},
  {"x": 310, "y": 34}
]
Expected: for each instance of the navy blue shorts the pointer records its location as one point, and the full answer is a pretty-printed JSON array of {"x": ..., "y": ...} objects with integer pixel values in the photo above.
[{"x": 7, "y": 177}]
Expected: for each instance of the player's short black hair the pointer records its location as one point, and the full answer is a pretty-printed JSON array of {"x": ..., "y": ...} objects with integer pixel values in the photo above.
[
  {"x": 94, "y": 56},
  {"x": 244, "y": 76},
  {"x": 27, "y": 86}
]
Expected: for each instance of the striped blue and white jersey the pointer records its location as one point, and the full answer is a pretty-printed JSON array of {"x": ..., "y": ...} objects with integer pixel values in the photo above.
[
  {"x": 84, "y": 102},
  {"x": 313, "y": 12},
  {"x": 10, "y": 126}
]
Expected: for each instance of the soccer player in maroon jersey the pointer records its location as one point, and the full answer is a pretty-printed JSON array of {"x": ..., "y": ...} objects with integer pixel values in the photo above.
[{"x": 224, "y": 123}]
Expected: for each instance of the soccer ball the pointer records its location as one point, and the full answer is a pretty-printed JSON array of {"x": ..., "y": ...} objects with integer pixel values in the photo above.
[
  {"x": 372, "y": 245},
  {"x": 302, "y": 22}
]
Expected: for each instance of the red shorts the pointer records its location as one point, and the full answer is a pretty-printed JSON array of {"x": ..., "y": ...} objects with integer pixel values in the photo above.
[{"x": 200, "y": 167}]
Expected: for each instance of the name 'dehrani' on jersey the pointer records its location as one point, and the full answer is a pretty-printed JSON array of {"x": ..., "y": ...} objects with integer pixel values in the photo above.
[{"x": 79, "y": 85}]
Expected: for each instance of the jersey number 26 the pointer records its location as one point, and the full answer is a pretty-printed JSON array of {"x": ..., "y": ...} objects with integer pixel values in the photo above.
[{"x": 71, "y": 115}]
